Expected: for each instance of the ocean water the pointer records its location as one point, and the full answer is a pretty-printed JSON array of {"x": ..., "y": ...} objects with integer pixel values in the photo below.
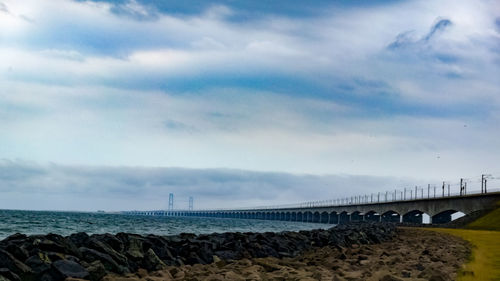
[{"x": 65, "y": 223}]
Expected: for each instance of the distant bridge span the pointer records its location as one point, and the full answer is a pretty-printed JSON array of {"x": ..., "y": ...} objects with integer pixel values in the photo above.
[{"x": 439, "y": 210}]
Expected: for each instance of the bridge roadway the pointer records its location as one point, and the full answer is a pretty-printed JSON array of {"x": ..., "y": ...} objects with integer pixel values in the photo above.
[{"x": 439, "y": 210}]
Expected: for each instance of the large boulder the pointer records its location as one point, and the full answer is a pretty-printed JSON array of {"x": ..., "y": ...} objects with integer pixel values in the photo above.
[
  {"x": 110, "y": 240},
  {"x": 9, "y": 275},
  {"x": 79, "y": 239},
  {"x": 38, "y": 263},
  {"x": 90, "y": 255},
  {"x": 152, "y": 262},
  {"x": 96, "y": 270},
  {"x": 102, "y": 247},
  {"x": 9, "y": 261},
  {"x": 67, "y": 268}
]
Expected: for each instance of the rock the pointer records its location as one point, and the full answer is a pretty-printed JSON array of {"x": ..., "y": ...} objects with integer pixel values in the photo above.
[
  {"x": 91, "y": 255},
  {"x": 437, "y": 277},
  {"x": 95, "y": 244},
  {"x": 79, "y": 239},
  {"x": 151, "y": 261},
  {"x": 16, "y": 236},
  {"x": 364, "y": 262},
  {"x": 134, "y": 247},
  {"x": 9, "y": 261},
  {"x": 110, "y": 240},
  {"x": 162, "y": 249},
  {"x": 38, "y": 263},
  {"x": 389, "y": 277},
  {"x": 354, "y": 275},
  {"x": 96, "y": 270},
  {"x": 67, "y": 268},
  {"x": 9, "y": 275},
  {"x": 125, "y": 252},
  {"x": 362, "y": 257},
  {"x": 406, "y": 274},
  {"x": 18, "y": 251}
]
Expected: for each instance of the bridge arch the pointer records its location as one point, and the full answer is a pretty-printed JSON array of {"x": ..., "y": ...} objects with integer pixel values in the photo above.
[
  {"x": 356, "y": 216},
  {"x": 414, "y": 216},
  {"x": 391, "y": 216},
  {"x": 372, "y": 216},
  {"x": 299, "y": 216},
  {"x": 316, "y": 217},
  {"x": 334, "y": 218},
  {"x": 344, "y": 217},
  {"x": 445, "y": 216},
  {"x": 324, "y": 218},
  {"x": 307, "y": 216}
]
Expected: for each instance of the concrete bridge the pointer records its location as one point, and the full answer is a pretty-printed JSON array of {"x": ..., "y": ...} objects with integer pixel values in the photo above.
[{"x": 439, "y": 210}]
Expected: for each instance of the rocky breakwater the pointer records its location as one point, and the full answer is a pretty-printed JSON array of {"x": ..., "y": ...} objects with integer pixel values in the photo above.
[{"x": 53, "y": 257}]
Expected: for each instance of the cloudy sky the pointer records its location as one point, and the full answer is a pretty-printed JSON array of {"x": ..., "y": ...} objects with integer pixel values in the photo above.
[{"x": 114, "y": 104}]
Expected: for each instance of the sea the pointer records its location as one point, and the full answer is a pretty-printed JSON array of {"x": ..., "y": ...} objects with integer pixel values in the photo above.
[{"x": 66, "y": 223}]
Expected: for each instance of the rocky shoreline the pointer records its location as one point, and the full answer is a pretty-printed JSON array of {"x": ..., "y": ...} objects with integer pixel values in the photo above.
[
  {"x": 53, "y": 257},
  {"x": 414, "y": 254}
]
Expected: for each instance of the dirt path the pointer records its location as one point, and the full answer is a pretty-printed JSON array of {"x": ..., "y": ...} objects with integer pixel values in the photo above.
[{"x": 414, "y": 255}]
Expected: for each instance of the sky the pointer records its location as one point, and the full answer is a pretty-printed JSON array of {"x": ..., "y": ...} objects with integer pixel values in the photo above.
[{"x": 113, "y": 105}]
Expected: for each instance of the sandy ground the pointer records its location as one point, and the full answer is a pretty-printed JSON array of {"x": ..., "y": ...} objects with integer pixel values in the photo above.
[{"x": 413, "y": 255}]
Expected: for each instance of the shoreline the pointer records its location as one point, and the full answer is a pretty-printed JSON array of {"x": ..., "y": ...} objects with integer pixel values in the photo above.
[
  {"x": 54, "y": 257},
  {"x": 411, "y": 255}
]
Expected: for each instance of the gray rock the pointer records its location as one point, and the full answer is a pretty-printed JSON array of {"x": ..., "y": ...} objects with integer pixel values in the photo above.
[
  {"x": 38, "y": 265},
  {"x": 91, "y": 255},
  {"x": 134, "y": 248},
  {"x": 389, "y": 277},
  {"x": 151, "y": 261},
  {"x": 67, "y": 268},
  {"x": 9, "y": 261},
  {"x": 96, "y": 270},
  {"x": 9, "y": 275},
  {"x": 104, "y": 248}
]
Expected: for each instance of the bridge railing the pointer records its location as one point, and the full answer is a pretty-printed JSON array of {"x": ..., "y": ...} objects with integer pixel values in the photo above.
[
  {"x": 407, "y": 194},
  {"x": 446, "y": 189}
]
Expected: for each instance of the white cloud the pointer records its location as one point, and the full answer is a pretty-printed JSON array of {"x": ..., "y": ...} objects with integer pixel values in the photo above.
[
  {"x": 93, "y": 87},
  {"x": 126, "y": 188}
]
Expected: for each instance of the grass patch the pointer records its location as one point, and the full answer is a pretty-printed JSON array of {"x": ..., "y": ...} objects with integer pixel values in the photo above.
[
  {"x": 485, "y": 258},
  {"x": 490, "y": 221}
]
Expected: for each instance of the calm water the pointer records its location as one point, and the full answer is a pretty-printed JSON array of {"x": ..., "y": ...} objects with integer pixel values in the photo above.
[{"x": 65, "y": 223}]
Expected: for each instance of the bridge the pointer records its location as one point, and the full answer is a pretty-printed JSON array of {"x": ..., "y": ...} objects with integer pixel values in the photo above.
[{"x": 439, "y": 209}]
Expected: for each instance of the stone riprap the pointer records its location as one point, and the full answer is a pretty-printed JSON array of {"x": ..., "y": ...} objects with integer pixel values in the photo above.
[{"x": 53, "y": 257}]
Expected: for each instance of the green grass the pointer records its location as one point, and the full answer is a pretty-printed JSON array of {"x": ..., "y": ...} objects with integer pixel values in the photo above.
[
  {"x": 484, "y": 235},
  {"x": 485, "y": 259},
  {"x": 490, "y": 221}
]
